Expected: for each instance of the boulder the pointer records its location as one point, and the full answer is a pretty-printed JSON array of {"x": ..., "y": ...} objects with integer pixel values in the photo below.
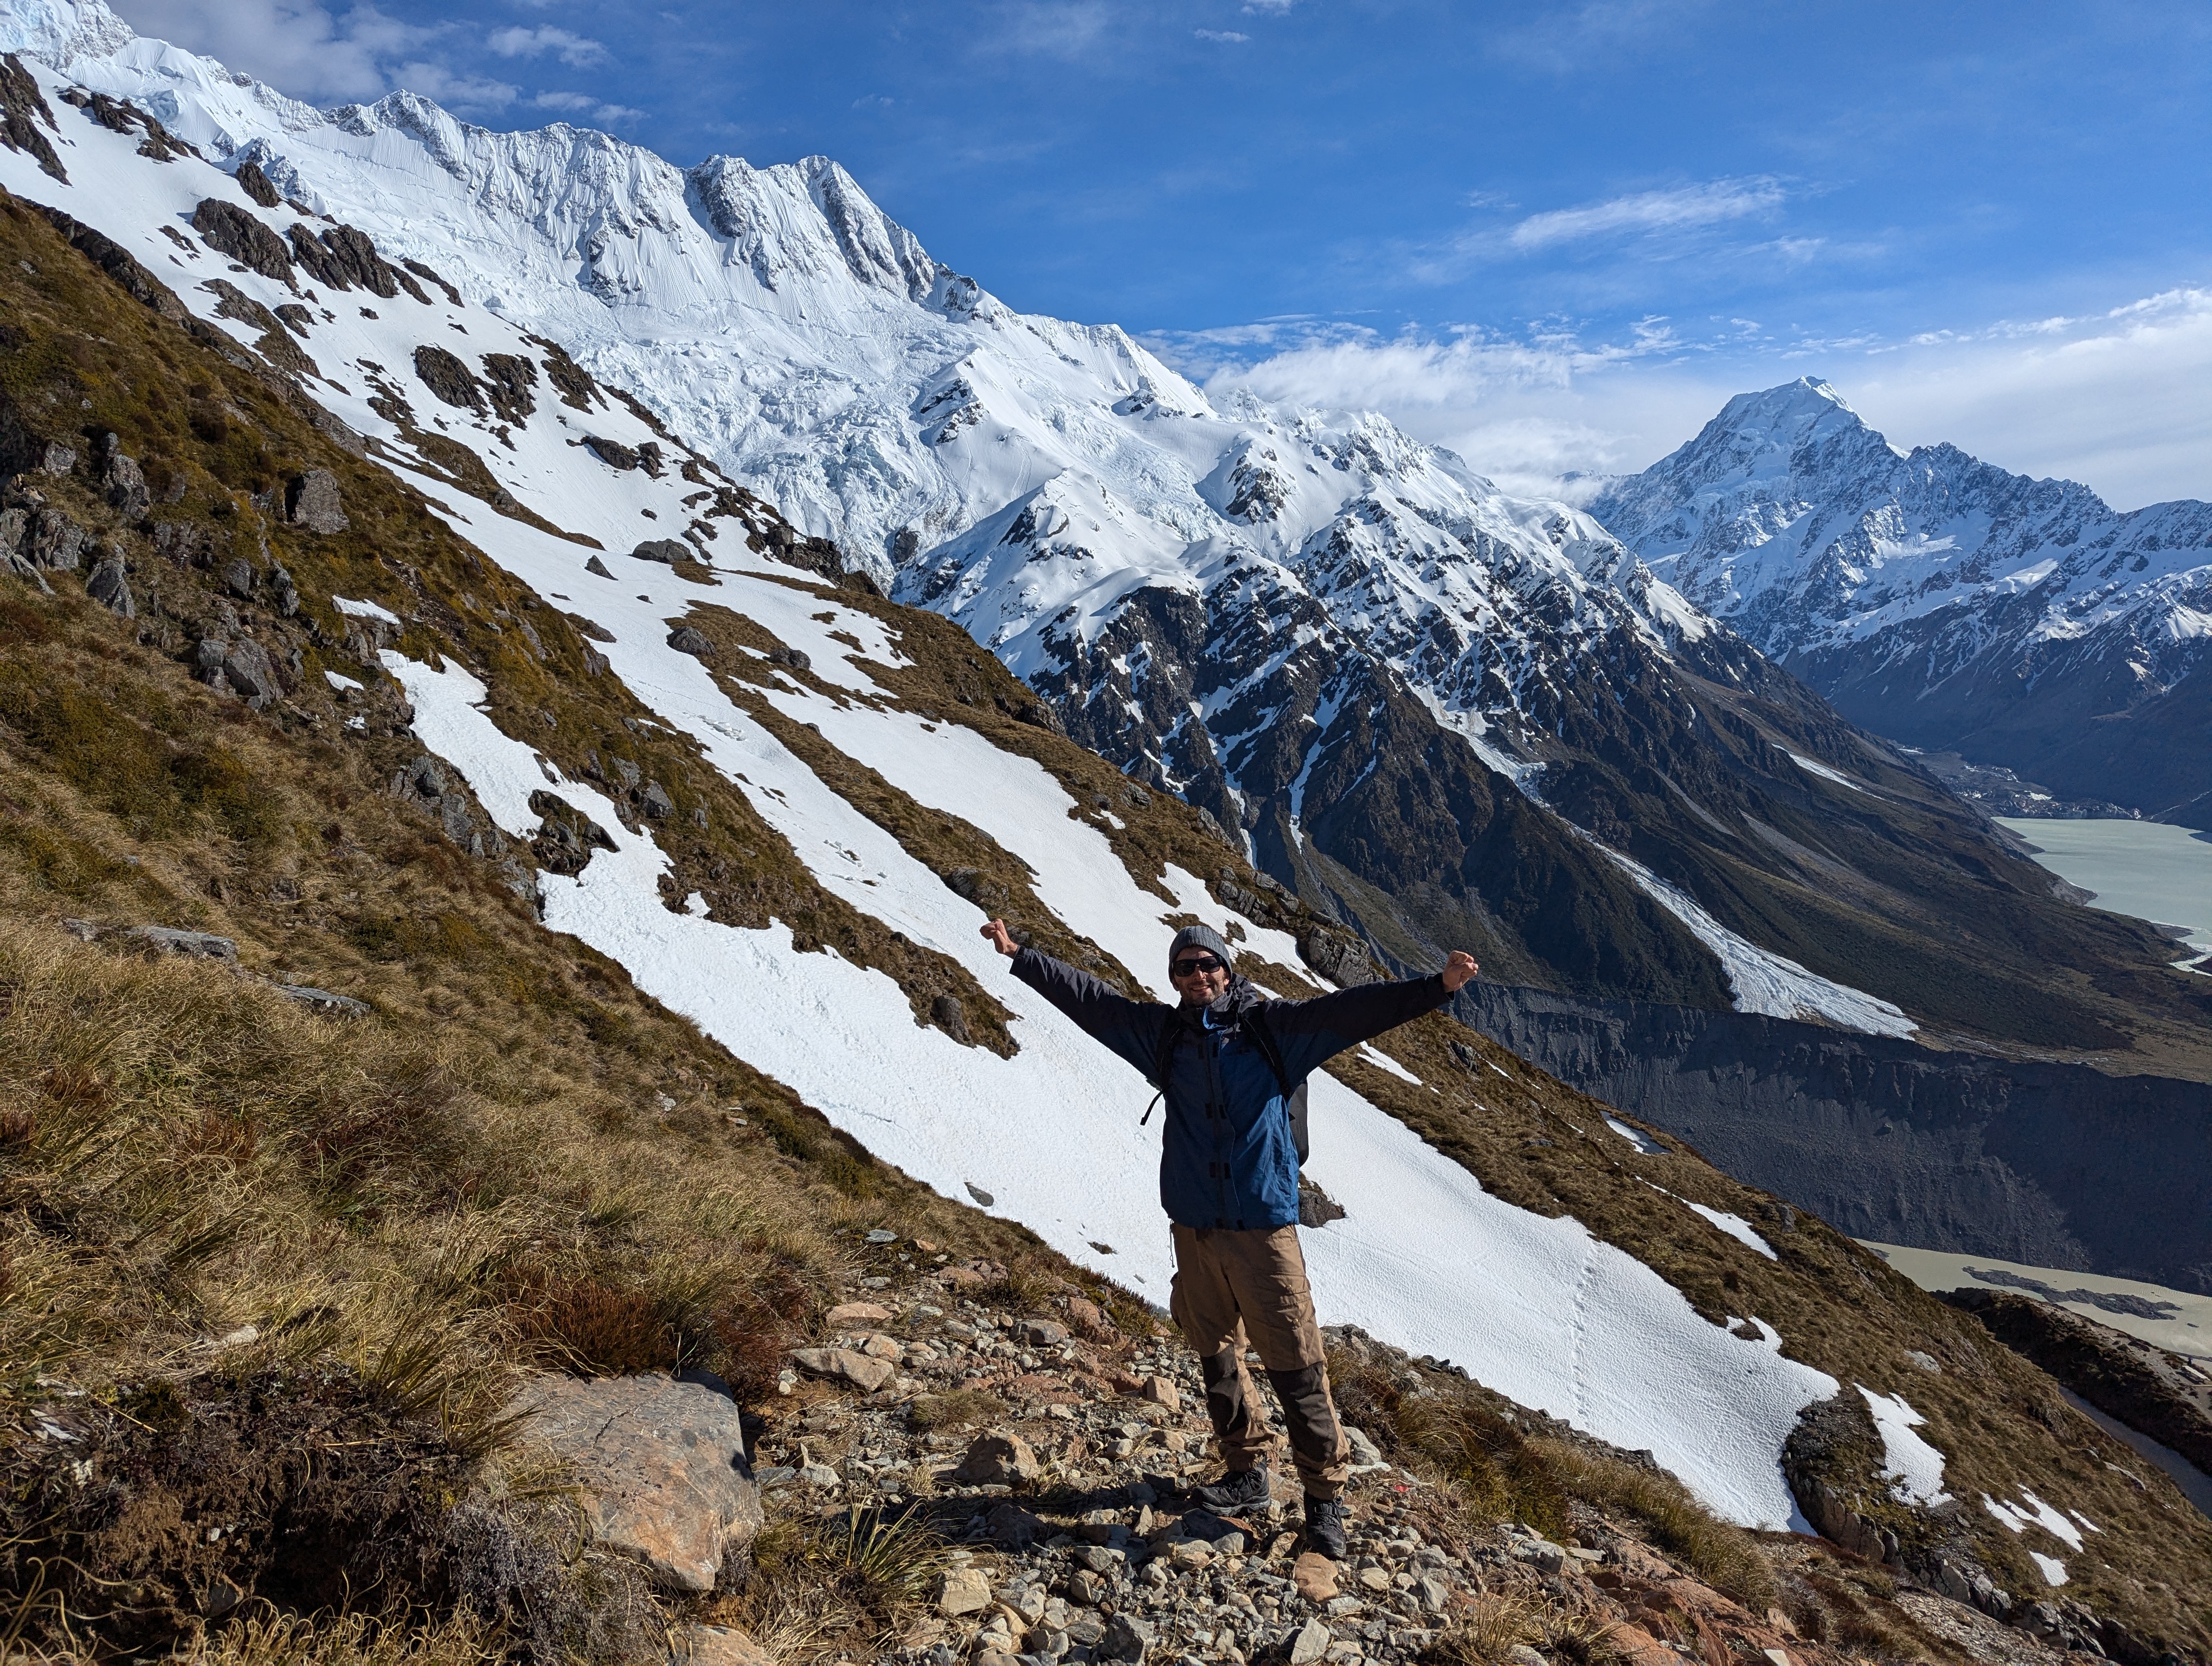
[
  {"x": 108, "y": 586},
  {"x": 1311, "y": 1644},
  {"x": 843, "y": 1365},
  {"x": 717, "y": 1645},
  {"x": 595, "y": 565},
  {"x": 1013, "y": 1527},
  {"x": 1129, "y": 1639},
  {"x": 312, "y": 501},
  {"x": 963, "y": 1590},
  {"x": 665, "y": 550},
  {"x": 123, "y": 483},
  {"x": 857, "y": 1313},
  {"x": 1315, "y": 1576},
  {"x": 998, "y": 1460},
  {"x": 448, "y": 378},
  {"x": 688, "y": 638},
  {"x": 660, "y": 1467},
  {"x": 323, "y": 1001},
  {"x": 193, "y": 945},
  {"x": 1161, "y": 1392}
]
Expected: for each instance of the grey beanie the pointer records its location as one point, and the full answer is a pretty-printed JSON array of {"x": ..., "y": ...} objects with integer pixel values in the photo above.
[{"x": 1201, "y": 936}]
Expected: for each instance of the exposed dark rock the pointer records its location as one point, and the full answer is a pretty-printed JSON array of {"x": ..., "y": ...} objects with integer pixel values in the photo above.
[
  {"x": 238, "y": 575},
  {"x": 595, "y": 565},
  {"x": 296, "y": 318},
  {"x": 430, "y": 276},
  {"x": 668, "y": 551},
  {"x": 2150, "y": 1390},
  {"x": 656, "y": 802},
  {"x": 448, "y": 378},
  {"x": 2024, "y": 1160},
  {"x": 949, "y": 1015},
  {"x": 509, "y": 379},
  {"x": 283, "y": 592},
  {"x": 311, "y": 500},
  {"x": 121, "y": 267},
  {"x": 650, "y": 460},
  {"x": 122, "y": 481},
  {"x": 22, "y": 107},
  {"x": 121, "y": 116},
  {"x": 566, "y": 838},
  {"x": 1340, "y": 958},
  {"x": 570, "y": 379},
  {"x": 1315, "y": 1206},
  {"x": 322, "y": 1000},
  {"x": 229, "y": 230},
  {"x": 792, "y": 657},
  {"x": 275, "y": 342},
  {"x": 53, "y": 541},
  {"x": 684, "y": 639},
  {"x": 255, "y": 184},
  {"x": 973, "y": 885},
  {"x": 345, "y": 259},
  {"x": 193, "y": 945},
  {"x": 615, "y": 454},
  {"x": 186, "y": 543}
]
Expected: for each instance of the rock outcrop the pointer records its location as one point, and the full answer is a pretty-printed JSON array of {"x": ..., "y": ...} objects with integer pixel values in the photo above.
[{"x": 661, "y": 1466}]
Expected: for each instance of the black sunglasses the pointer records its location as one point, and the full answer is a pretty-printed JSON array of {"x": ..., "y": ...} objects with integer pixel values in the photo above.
[{"x": 1205, "y": 962}]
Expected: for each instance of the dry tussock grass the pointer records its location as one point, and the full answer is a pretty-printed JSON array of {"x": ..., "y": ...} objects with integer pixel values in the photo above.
[{"x": 844, "y": 1587}]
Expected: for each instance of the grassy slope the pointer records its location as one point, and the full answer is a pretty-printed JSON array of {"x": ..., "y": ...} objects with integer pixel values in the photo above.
[{"x": 478, "y": 1175}]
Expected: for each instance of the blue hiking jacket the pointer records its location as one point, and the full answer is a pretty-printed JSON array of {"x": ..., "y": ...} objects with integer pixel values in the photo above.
[{"x": 1227, "y": 1158}]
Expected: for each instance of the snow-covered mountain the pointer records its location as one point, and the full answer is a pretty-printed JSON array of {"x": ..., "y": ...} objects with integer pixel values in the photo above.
[
  {"x": 416, "y": 537},
  {"x": 1942, "y": 601},
  {"x": 1446, "y": 714}
]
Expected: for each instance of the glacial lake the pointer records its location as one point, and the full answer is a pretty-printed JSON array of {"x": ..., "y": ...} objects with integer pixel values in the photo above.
[{"x": 2147, "y": 869}]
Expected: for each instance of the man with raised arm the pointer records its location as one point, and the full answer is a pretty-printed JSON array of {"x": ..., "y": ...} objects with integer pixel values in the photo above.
[{"x": 1230, "y": 1064}]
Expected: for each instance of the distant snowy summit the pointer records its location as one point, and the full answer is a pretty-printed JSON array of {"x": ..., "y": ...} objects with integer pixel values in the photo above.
[
  {"x": 1451, "y": 716},
  {"x": 1942, "y": 601}
]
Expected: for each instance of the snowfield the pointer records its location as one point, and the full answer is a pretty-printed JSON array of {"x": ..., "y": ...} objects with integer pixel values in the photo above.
[{"x": 1537, "y": 1309}]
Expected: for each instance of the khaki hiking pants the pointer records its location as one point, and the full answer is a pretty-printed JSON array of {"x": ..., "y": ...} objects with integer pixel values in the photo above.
[{"x": 1233, "y": 1286}]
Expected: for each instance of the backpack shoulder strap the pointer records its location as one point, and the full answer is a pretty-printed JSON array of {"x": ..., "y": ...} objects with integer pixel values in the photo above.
[
  {"x": 1255, "y": 1022},
  {"x": 1294, "y": 1093},
  {"x": 1162, "y": 1063}
]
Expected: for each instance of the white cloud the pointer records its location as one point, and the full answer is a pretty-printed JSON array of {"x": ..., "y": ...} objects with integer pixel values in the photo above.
[
  {"x": 583, "y": 104},
  {"x": 1230, "y": 37},
  {"x": 1649, "y": 212},
  {"x": 572, "y": 49},
  {"x": 2114, "y": 399},
  {"x": 456, "y": 92},
  {"x": 296, "y": 45}
]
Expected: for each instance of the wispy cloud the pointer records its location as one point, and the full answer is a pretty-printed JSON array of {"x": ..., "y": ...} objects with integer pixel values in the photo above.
[
  {"x": 295, "y": 45},
  {"x": 1567, "y": 39},
  {"x": 1647, "y": 211},
  {"x": 583, "y": 104},
  {"x": 1055, "y": 28},
  {"x": 2112, "y": 399},
  {"x": 571, "y": 48},
  {"x": 456, "y": 90},
  {"x": 1232, "y": 37}
]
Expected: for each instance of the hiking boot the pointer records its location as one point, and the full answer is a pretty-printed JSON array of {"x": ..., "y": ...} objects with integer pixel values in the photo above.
[
  {"x": 1325, "y": 1523},
  {"x": 1238, "y": 1490}
]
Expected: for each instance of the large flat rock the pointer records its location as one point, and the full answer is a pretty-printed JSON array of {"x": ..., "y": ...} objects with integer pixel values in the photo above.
[{"x": 662, "y": 1468}]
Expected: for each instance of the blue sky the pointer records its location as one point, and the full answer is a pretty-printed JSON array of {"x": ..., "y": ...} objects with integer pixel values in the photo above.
[{"x": 1553, "y": 235}]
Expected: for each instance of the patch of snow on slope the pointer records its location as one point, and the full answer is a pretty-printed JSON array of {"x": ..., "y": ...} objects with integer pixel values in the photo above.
[
  {"x": 1636, "y": 1137},
  {"x": 2034, "y": 1513},
  {"x": 1384, "y": 1062},
  {"x": 1815, "y": 767},
  {"x": 1765, "y": 982},
  {"x": 1565, "y": 1322},
  {"x": 2053, "y": 1569},
  {"x": 1734, "y": 1225},
  {"x": 1913, "y": 1469},
  {"x": 365, "y": 610}
]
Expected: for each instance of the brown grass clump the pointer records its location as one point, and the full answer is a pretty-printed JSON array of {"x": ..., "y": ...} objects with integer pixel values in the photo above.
[
  {"x": 956, "y": 1408},
  {"x": 845, "y": 1587},
  {"x": 277, "y": 1639},
  {"x": 1725, "y": 1557}
]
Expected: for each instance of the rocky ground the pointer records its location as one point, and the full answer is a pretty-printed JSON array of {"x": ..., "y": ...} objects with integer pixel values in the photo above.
[{"x": 1040, "y": 1459}]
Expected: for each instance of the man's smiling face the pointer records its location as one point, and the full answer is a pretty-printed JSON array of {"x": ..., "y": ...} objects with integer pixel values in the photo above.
[{"x": 1199, "y": 977}]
